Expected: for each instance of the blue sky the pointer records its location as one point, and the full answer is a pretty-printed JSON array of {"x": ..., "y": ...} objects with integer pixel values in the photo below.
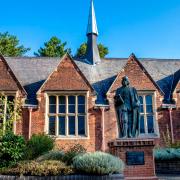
[{"x": 149, "y": 28}]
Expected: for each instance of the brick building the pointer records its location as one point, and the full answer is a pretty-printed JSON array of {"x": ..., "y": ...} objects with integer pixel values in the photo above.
[{"x": 73, "y": 99}]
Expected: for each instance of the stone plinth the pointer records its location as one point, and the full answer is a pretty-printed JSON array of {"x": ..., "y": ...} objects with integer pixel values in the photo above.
[{"x": 137, "y": 155}]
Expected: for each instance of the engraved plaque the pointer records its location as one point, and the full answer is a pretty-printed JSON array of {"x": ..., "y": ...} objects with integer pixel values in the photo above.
[{"x": 135, "y": 158}]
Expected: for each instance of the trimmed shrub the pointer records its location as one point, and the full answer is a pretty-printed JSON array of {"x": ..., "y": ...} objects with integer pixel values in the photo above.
[
  {"x": 98, "y": 163},
  {"x": 73, "y": 152},
  {"x": 51, "y": 155},
  {"x": 33, "y": 168},
  {"x": 12, "y": 149},
  {"x": 167, "y": 154},
  {"x": 38, "y": 145}
]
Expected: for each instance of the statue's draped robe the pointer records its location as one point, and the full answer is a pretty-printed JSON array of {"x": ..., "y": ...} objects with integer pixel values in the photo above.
[{"x": 127, "y": 101}]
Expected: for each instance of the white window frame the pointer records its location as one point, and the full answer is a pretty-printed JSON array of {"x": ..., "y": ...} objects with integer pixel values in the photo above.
[
  {"x": 14, "y": 94},
  {"x": 154, "y": 114},
  {"x": 66, "y": 94}
]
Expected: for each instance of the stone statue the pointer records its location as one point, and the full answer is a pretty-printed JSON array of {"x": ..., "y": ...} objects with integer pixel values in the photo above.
[{"x": 127, "y": 108}]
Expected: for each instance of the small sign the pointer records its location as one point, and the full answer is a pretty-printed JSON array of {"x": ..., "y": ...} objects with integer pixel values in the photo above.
[{"x": 135, "y": 158}]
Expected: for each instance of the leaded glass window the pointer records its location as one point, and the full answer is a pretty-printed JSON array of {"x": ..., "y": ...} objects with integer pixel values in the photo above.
[
  {"x": 67, "y": 115},
  {"x": 147, "y": 114}
]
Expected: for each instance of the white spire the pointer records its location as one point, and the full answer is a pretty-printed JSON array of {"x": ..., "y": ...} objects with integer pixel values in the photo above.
[{"x": 92, "y": 25}]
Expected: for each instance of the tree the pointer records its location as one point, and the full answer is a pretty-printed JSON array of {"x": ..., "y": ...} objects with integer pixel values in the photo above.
[
  {"x": 53, "y": 48},
  {"x": 81, "y": 51},
  {"x": 9, "y": 45},
  {"x": 103, "y": 51}
]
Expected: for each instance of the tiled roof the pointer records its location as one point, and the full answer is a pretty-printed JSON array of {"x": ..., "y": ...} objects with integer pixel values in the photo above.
[{"x": 32, "y": 72}]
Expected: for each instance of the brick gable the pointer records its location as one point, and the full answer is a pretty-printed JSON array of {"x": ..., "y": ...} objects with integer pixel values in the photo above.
[
  {"x": 141, "y": 80},
  {"x": 67, "y": 76},
  {"x": 8, "y": 81},
  {"x": 138, "y": 76}
]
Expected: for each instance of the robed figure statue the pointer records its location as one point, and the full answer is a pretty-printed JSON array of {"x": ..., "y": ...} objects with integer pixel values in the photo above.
[{"x": 127, "y": 108}]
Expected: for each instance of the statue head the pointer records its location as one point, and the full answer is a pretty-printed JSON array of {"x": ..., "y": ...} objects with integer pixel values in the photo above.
[{"x": 125, "y": 81}]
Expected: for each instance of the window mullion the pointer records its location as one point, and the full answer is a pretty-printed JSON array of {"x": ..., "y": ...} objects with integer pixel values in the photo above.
[
  {"x": 86, "y": 116},
  {"x": 145, "y": 115},
  {"x": 57, "y": 124},
  {"x": 15, "y": 107},
  {"x": 5, "y": 113},
  {"x": 47, "y": 109},
  {"x": 153, "y": 114},
  {"x": 66, "y": 117},
  {"x": 76, "y": 116}
]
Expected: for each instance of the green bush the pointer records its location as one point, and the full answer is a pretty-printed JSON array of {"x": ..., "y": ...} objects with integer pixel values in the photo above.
[
  {"x": 51, "y": 155},
  {"x": 33, "y": 168},
  {"x": 166, "y": 154},
  {"x": 38, "y": 145},
  {"x": 12, "y": 149},
  {"x": 73, "y": 152},
  {"x": 98, "y": 163}
]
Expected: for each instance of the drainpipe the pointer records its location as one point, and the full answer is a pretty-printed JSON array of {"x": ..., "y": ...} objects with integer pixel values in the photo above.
[
  {"x": 171, "y": 123},
  {"x": 103, "y": 146},
  {"x": 102, "y": 109},
  {"x": 30, "y": 122}
]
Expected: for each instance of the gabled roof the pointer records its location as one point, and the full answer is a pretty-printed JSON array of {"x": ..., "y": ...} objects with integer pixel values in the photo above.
[
  {"x": 132, "y": 58},
  {"x": 147, "y": 73},
  {"x": 13, "y": 76},
  {"x": 32, "y": 72},
  {"x": 65, "y": 58}
]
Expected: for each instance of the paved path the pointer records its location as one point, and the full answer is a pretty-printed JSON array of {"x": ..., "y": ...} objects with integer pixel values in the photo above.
[{"x": 168, "y": 177}]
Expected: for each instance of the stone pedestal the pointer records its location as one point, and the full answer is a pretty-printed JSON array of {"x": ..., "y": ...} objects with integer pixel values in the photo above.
[{"x": 137, "y": 155}]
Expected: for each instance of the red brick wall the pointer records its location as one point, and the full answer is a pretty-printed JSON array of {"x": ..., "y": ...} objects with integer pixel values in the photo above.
[
  {"x": 176, "y": 114},
  {"x": 144, "y": 171},
  {"x": 6, "y": 80},
  {"x": 66, "y": 77},
  {"x": 22, "y": 125}
]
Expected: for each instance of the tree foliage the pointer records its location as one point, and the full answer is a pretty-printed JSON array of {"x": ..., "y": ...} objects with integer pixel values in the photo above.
[
  {"x": 81, "y": 51},
  {"x": 12, "y": 149},
  {"x": 38, "y": 145},
  {"x": 103, "y": 51},
  {"x": 53, "y": 48},
  {"x": 9, "y": 45}
]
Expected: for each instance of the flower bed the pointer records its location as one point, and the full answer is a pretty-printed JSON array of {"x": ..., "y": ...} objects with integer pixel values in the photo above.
[{"x": 35, "y": 159}]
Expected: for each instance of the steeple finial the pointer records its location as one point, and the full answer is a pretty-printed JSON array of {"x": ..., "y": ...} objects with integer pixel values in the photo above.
[
  {"x": 92, "y": 25},
  {"x": 92, "y": 52}
]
